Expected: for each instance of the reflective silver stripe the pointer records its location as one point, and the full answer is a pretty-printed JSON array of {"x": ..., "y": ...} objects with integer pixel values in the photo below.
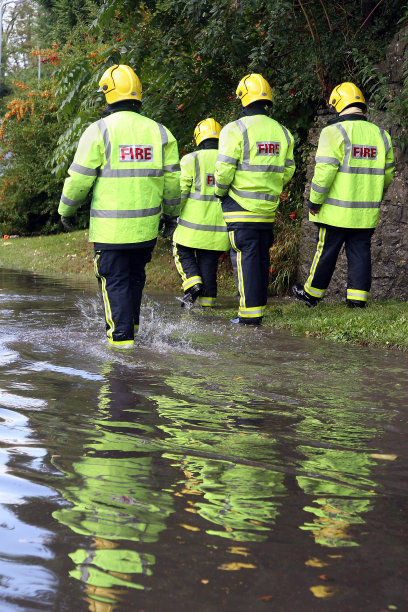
[
  {"x": 226, "y": 159},
  {"x": 185, "y": 196},
  {"x": 246, "y": 313},
  {"x": 285, "y": 131},
  {"x": 360, "y": 170},
  {"x": 385, "y": 139},
  {"x": 221, "y": 186},
  {"x": 204, "y": 198},
  {"x": 289, "y": 162},
  {"x": 327, "y": 160},
  {"x": 172, "y": 168},
  {"x": 197, "y": 172},
  {"x": 319, "y": 189},
  {"x": 173, "y": 202},
  {"x": 106, "y": 140},
  {"x": 164, "y": 139},
  {"x": 83, "y": 169},
  {"x": 259, "y": 168},
  {"x": 125, "y": 214},
  {"x": 69, "y": 202},
  {"x": 391, "y": 165},
  {"x": 347, "y": 204},
  {"x": 204, "y": 228},
  {"x": 230, "y": 216},
  {"x": 251, "y": 195},
  {"x": 344, "y": 167},
  {"x": 129, "y": 172},
  {"x": 244, "y": 132}
]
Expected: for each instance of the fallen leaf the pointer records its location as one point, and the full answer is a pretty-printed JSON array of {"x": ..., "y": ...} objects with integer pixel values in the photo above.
[
  {"x": 234, "y": 566},
  {"x": 323, "y": 591},
  {"x": 383, "y": 457},
  {"x": 238, "y": 378},
  {"x": 238, "y": 550},
  {"x": 191, "y": 492},
  {"x": 189, "y": 527},
  {"x": 315, "y": 562},
  {"x": 204, "y": 581},
  {"x": 192, "y": 510},
  {"x": 266, "y": 597},
  {"x": 323, "y": 577}
]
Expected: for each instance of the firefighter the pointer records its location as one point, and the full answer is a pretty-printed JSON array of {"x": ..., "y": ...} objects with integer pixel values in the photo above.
[
  {"x": 354, "y": 166},
  {"x": 132, "y": 163},
  {"x": 255, "y": 161},
  {"x": 201, "y": 235}
]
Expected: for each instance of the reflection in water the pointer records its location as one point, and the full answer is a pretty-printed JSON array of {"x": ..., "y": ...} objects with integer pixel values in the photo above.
[
  {"x": 112, "y": 498},
  {"x": 210, "y": 468},
  {"x": 239, "y": 502}
]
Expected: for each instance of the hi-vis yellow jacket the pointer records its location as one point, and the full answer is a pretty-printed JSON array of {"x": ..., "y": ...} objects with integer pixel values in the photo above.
[
  {"x": 201, "y": 224},
  {"x": 255, "y": 161},
  {"x": 134, "y": 164},
  {"x": 354, "y": 164}
]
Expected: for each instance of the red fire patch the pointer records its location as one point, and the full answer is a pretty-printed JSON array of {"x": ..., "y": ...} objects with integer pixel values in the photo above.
[
  {"x": 135, "y": 153},
  {"x": 210, "y": 180},
  {"x": 268, "y": 148},
  {"x": 363, "y": 152}
]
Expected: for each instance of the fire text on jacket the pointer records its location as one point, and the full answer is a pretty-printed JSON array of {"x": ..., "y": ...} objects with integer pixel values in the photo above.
[
  {"x": 268, "y": 148},
  {"x": 135, "y": 153},
  {"x": 363, "y": 152},
  {"x": 210, "y": 180}
]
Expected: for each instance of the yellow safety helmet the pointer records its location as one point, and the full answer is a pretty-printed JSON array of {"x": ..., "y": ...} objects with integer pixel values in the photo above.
[
  {"x": 208, "y": 128},
  {"x": 120, "y": 82},
  {"x": 346, "y": 94},
  {"x": 253, "y": 87}
]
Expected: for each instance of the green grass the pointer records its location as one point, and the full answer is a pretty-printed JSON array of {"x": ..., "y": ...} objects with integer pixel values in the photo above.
[
  {"x": 70, "y": 254},
  {"x": 381, "y": 324}
]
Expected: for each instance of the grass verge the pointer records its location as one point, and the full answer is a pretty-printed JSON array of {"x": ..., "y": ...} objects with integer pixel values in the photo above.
[{"x": 381, "y": 324}]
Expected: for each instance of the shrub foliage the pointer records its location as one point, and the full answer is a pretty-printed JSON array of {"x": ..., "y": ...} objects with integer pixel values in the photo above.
[{"x": 190, "y": 55}]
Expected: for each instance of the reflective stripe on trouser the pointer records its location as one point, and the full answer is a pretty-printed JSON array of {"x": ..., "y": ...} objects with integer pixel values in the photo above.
[
  {"x": 357, "y": 244},
  {"x": 121, "y": 277},
  {"x": 198, "y": 266},
  {"x": 250, "y": 261}
]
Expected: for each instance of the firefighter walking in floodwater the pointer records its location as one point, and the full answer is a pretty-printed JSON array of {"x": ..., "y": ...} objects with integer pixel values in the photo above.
[
  {"x": 201, "y": 235},
  {"x": 354, "y": 166},
  {"x": 132, "y": 163},
  {"x": 255, "y": 161}
]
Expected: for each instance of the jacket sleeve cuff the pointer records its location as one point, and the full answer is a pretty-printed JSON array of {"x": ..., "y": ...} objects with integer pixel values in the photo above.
[{"x": 313, "y": 206}]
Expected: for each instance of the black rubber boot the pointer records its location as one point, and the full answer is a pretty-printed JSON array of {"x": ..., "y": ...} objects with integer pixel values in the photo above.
[
  {"x": 359, "y": 304},
  {"x": 190, "y": 296},
  {"x": 243, "y": 321},
  {"x": 301, "y": 295}
]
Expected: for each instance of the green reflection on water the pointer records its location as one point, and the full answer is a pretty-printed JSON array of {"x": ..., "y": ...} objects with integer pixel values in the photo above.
[
  {"x": 114, "y": 499},
  {"x": 240, "y": 502}
]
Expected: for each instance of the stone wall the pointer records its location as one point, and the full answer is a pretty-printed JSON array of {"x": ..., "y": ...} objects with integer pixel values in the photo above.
[{"x": 390, "y": 240}]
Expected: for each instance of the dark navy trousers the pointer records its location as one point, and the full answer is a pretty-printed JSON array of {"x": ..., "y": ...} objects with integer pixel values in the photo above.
[{"x": 121, "y": 277}]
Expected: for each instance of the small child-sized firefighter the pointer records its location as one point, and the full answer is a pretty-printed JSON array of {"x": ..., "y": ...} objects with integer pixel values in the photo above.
[{"x": 201, "y": 235}]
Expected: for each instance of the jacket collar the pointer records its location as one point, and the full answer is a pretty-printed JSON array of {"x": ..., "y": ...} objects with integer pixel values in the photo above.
[
  {"x": 122, "y": 105},
  {"x": 256, "y": 108},
  {"x": 351, "y": 117},
  {"x": 208, "y": 143}
]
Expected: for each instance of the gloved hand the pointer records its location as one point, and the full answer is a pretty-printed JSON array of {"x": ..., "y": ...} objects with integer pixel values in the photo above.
[
  {"x": 67, "y": 224},
  {"x": 313, "y": 208},
  {"x": 168, "y": 224}
]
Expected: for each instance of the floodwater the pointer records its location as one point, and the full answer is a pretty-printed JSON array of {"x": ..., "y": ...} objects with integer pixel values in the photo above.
[{"x": 208, "y": 468}]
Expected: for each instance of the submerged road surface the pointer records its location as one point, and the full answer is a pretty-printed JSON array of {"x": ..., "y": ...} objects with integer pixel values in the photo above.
[{"x": 208, "y": 468}]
